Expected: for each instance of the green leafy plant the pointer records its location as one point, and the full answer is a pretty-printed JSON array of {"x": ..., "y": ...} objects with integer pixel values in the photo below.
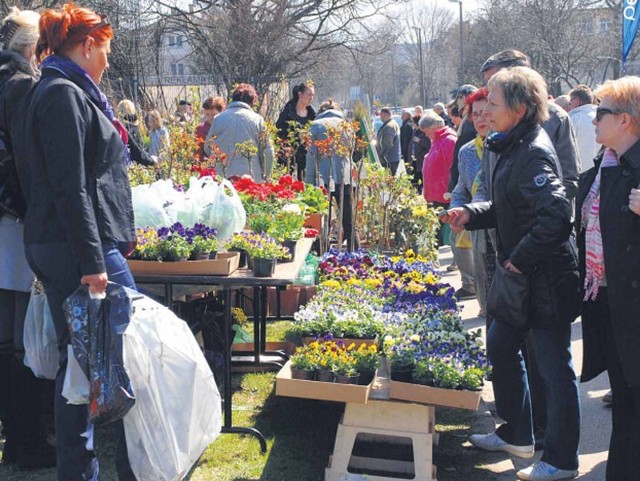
[
  {"x": 202, "y": 244},
  {"x": 262, "y": 246},
  {"x": 174, "y": 247}
]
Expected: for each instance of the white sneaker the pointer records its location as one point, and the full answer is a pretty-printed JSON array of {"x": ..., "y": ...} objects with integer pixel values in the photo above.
[
  {"x": 492, "y": 442},
  {"x": 542, "y": 471}
]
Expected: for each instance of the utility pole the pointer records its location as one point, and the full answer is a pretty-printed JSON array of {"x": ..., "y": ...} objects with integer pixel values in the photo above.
[
  {"x": 421, "y": 63},
  {"x": 393, "y": 75}
]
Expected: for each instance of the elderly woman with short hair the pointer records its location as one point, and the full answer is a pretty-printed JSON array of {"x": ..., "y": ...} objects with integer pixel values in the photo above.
[
  {"x": 608, "y": 226},
  {"x": 536, "y": 285}
]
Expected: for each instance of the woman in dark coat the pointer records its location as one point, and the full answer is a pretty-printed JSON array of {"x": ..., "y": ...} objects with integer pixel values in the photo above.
[
  {"x": 72, "y": 167},
  {"x": 536, "y": 287},
  {"x": 296, "y": 114},
  {"x": 21, "y": 393},
  {"x": 608, "y": 226}
]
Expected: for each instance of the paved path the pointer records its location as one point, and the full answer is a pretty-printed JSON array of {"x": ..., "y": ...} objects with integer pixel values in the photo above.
[{"x": 596, "y": 417}]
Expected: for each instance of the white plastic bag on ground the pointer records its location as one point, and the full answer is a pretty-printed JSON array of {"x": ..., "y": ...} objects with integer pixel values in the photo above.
[
  {"x": 178, "y": 409},
  {"x": 40, "y": 339}
]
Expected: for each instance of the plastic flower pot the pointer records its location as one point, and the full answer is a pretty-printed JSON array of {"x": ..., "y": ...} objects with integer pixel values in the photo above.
[
  {"x": 402, "y": 374},
  {"x": 264, "y": 267},
  {"x": 344, "y": 379},
  {"x": 243, "y": 257},
  {"x": 303, "y": 374},
  {"x": 366, "y": 377},
  {"x": 173, "y": 258},
  {"x": 291, "y": 245},
  {"x": 199, "y": 256},
  {"x": 325, "y": 375}
]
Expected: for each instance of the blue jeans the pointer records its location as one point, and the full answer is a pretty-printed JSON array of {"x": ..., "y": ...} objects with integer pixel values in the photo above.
[
  {"x": 513, "y": 399},
  {"x": 55, "y": 266}
]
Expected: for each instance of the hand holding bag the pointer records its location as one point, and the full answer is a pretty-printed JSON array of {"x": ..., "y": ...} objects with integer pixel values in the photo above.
[{"x": 509, "y": 298}]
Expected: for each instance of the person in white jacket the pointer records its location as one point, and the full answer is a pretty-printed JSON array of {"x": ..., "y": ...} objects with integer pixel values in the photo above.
[{"x": 582, "y": 113}]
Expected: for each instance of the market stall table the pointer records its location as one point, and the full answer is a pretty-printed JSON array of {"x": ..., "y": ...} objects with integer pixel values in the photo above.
[{"x": 285, "y": 275}]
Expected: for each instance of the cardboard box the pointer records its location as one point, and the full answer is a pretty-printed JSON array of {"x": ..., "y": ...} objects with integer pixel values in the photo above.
[
  {"x": 225, "y": 264},
  {"x": 324, "y": 391},
  {"x": 314, "y": 221},
  {"x": 434, "y": 396},
  {"x": 286, "y": 347}
]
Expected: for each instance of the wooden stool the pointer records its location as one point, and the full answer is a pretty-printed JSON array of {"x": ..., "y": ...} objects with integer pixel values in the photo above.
[{"x": 389, "y": 421}]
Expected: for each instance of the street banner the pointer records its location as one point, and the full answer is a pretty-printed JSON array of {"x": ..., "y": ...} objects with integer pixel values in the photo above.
[{"x": 630, "y": 21}]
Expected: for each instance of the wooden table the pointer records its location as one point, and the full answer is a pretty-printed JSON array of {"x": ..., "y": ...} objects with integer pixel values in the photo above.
[{"x": 285, "y": 275}]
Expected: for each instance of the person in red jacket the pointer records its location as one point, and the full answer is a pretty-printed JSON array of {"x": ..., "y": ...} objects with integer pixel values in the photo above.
[{"x": 437, "y": 162}]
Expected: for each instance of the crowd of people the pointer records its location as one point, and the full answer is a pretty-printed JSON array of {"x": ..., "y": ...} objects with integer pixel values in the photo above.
[{"x": 541, "y": 197}]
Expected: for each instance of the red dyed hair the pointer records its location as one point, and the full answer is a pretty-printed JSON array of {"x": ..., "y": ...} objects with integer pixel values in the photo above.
[
  {"x": 480, "y": 94},
  {"x": 63, "y": 29}
]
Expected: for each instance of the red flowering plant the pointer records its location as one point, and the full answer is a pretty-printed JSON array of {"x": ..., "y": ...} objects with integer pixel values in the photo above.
[{"x": 285, "y": 191}]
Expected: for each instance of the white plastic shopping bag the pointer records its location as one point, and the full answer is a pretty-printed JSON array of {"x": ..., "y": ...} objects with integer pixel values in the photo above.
[
  {"x": 40, "y": 339},
  {"x": 75, "y": 388},
  {"x": 178, "y": 409},
  {"x": 225, "y": 213}
]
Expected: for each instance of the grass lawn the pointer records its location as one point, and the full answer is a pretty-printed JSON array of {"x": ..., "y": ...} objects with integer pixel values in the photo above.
[{"x": 300, "y": 435}]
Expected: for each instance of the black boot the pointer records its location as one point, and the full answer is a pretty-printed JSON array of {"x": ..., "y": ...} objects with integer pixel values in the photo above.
[
  {"x": 34, "y": 452},
  {"x": 10, "y": 450}
]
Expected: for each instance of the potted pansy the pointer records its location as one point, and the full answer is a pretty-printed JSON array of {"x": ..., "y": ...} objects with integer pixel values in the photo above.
[
  {"x": 304, "y": 363},
  {"x": 204, "y": 248},
  {"x": 173, "y": 247},
  {"x": 239, "y": 242},
  {"x": 264, "y": 252},
  {"x": 287, "y": 227},
  {"x": 401, "y": 354},
  {"x": 366, "y": 360},
  {"x": 203, "y": 242},
  {"x": 146, "y": 244},
  {"x": 344, "y": 368}
]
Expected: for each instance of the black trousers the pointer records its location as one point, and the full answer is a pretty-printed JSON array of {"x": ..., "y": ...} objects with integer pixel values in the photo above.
[
  {"x": 624, "y": 446},
  {"x": 347, "y": 214}
]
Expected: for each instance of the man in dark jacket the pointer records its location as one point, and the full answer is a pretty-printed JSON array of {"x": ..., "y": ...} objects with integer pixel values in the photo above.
[
  {"x": 406, "y": 132},
  {"x": 420, "y": 145},
  {"x": 388, "y": 141}
]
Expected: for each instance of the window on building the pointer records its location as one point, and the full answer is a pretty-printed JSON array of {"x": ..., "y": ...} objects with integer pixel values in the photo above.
[
  {"x": 587, "y": 27},
  {"x": 180, "y": 40},
  {"x": 177, "y": 69},
  {"x": 605, "y": 25},
  {"x": 172, "y": 40}
]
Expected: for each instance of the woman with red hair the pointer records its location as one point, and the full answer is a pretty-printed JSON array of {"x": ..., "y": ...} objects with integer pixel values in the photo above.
[{"x": 72, "y": 161}]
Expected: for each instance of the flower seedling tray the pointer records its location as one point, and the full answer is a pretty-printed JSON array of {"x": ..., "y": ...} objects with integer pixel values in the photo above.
[
  {"x": 225, "y": 264},
  {"x": 434, "y": 396},
  {"x": 323, "y": 391}
]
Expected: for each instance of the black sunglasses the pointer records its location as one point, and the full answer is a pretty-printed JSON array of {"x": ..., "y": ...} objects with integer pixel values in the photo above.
[
  {"x": 103, "y": 23},
  {"x": 602, "y": 111}
]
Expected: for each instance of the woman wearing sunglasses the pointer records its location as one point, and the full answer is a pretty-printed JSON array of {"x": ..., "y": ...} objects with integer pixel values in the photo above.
[
  {"x": 73, "y": 171},
  {"x": 608, "y": 226},
  {"x": 535, "y": 289}
]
